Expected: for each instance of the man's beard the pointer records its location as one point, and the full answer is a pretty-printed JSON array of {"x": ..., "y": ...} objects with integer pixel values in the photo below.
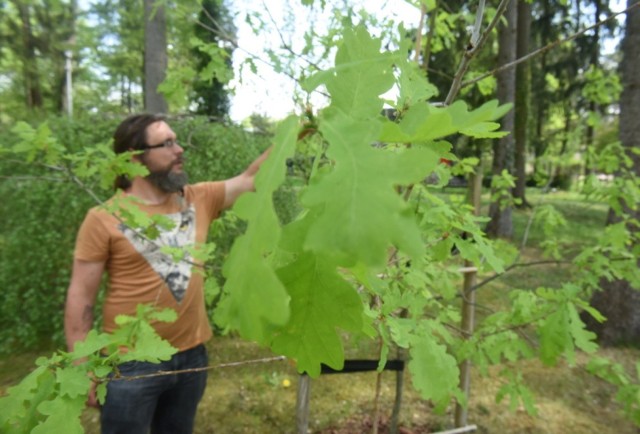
[{"x": 167, "y": 180}]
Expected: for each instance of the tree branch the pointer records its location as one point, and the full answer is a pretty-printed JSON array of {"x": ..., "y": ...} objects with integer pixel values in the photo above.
[
  {"x": 546, "y": 48},
  {"x": 206, "y": 368},
  {"x": 285, "y": 45},
  {"x": 219, "y": 31},
  {"x": 423, "y": 12},
  {"x": 473, "y": 48},
  {"x": 518, "y": 265}
]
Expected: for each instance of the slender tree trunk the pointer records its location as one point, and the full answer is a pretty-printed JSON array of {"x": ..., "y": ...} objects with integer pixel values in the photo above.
[
  {"x": 130, "y": 101},
  {"x": 501, "y": 224},
  {"x": 557, "y": 173},
  {"x": 523, "y": 93},
  {"x": 593, "y": 107},
  {"x": 31, "y": 75},
  {"x": 618, "y": 301},
  {"x": 155, "y": 55},
  {"x": 63, "y": 101},
  {"x": 431, "y": 31},
  {"x": 541, "y": 104}
]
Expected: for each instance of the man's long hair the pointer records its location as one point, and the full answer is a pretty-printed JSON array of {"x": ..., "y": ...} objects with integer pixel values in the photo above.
[{"x": 131, "y": 135}]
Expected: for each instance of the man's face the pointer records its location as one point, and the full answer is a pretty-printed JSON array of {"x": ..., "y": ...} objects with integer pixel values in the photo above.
[{"x": 165, "y": 163}]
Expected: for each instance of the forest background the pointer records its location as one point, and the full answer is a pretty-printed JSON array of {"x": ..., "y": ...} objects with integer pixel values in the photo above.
[{"x": 69, "y": 73}]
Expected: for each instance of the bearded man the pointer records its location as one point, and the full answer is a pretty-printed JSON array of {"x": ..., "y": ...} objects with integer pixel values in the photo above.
[{"x": 140, "y": 272}]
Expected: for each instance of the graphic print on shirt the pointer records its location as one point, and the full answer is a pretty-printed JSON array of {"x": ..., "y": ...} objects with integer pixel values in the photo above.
[{"x": 176, "y": 275}]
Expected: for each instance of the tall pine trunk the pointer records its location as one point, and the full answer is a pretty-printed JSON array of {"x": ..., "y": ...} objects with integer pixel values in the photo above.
[
  {"x": 30, "y": 72},
  {"x": 501, "y": 224},
  {"x": 618, "y": 301},
  {"x": 595, "y": 62},
  {"x": 523, "y": 85},
  {"x": 155, "y": 56}
]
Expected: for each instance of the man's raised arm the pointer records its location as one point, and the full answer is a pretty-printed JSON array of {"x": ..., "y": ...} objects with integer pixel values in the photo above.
[{"x": 234, "y": 187}]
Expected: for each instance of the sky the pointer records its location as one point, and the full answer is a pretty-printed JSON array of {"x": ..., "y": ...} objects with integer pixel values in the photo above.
[
  {"x": 270, "y": 93},
  {"x": 267, "y": 92}
]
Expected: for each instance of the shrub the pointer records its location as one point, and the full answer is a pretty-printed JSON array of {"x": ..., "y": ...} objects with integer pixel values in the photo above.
[{"x": 41, "y": 218}]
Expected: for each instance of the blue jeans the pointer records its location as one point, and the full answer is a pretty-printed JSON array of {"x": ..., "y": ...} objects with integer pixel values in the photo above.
[{"x": 163, "y": 404}]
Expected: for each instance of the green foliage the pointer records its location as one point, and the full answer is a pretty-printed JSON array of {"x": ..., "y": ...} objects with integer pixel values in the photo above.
[
  {"x": 628, "y": 387},
  {"x": 34, "y": 142},
  {"x": 517, "y": 393},
  {"x": 602, "y": 87},
  {"x": 361, "y": 244},
  {"x": 316, "y": 288},
  {"x": 35, "y": 36},
  {"x": 53, "y": 395},
  {"x": 213, "y": 50},
  {"x": 501, "y": 186},
  {"x": 552, "y": 221},
  {"x": 364, "y": 218},
  {"x": 45, "y": 203},
  {"x": 249, "y": 260},
  {"x": 42, "y": 210}
]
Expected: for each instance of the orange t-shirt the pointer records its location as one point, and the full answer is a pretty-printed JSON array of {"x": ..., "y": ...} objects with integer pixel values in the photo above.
[{"x": 139, "y": 272}]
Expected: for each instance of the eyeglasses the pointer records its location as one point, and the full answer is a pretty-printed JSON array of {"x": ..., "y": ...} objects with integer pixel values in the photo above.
[{"x": 169, "y": 143}]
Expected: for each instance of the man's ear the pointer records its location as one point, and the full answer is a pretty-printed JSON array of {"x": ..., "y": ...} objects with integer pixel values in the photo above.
[{"x": 136, "y": 155}]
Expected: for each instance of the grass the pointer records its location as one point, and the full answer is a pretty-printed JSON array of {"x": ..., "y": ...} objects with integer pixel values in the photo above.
[{"x": 261, "y": 398}]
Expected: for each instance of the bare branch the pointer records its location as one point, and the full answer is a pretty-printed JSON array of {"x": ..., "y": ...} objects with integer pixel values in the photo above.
[
  {"x": 220, "y": 32},
  {"x": 206, "y": 368},
  {"x": 518, "y": 265},
  {"x": 285, "y": 45},
  {"x": 475, "y": 35},
  {"x": 32, "y": 178},
  {"x": 472, "y": 49},
  {"x": 423, "y": 12}
]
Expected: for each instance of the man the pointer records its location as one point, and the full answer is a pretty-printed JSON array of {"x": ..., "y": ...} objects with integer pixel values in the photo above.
[{"x": 139, "y": 272}]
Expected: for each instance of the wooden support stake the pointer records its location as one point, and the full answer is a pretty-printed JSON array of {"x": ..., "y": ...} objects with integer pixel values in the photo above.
[
  {"x": 468, "y": 314},
  {"x": 468, "y": 303},
  {"x": 302, "y": 404},
  {"x": 397, "y": 404}
]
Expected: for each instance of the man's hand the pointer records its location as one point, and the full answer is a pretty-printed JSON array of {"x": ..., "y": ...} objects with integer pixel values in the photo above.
[
  {"x": 92, "y": 398},
  {"x": 309, "y": 124}
]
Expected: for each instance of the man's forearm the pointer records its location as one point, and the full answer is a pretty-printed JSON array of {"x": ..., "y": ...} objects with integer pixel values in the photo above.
[
  {"x": 78, "y": 321},
  {"x": 81, "y": 298},
  {"x": 244, "y": 182},
  {"x": 255, "y": 165}
]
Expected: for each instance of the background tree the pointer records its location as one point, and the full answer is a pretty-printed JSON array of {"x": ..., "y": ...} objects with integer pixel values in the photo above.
[
  {"x": 523, "y": 85},
  {"x": 119, "y": 43},
  {"x": 35, "y": 36},
  {"x": 619, "y": 300},
  {"x": 500, "y": 210},
  {"x": 559, "y": 101},
  {"x": 211, "y": 95},
  {"x": 26, "y": 45},
  {"x": 155, "y": 55}
]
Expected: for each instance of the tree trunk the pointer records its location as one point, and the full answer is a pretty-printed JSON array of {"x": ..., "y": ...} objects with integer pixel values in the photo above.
[
  {"x": 64, "y": 98},
  {"x": 501, "y": 224},
  {"x": 523, "y": 85},
  {"x": 155, "y": 56},
  {"x": 31, "y": 75},
  {"x": 593, "y": 107},
  {"x": 539, "y": 96},
  {"x": 618, "y": 301}
]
